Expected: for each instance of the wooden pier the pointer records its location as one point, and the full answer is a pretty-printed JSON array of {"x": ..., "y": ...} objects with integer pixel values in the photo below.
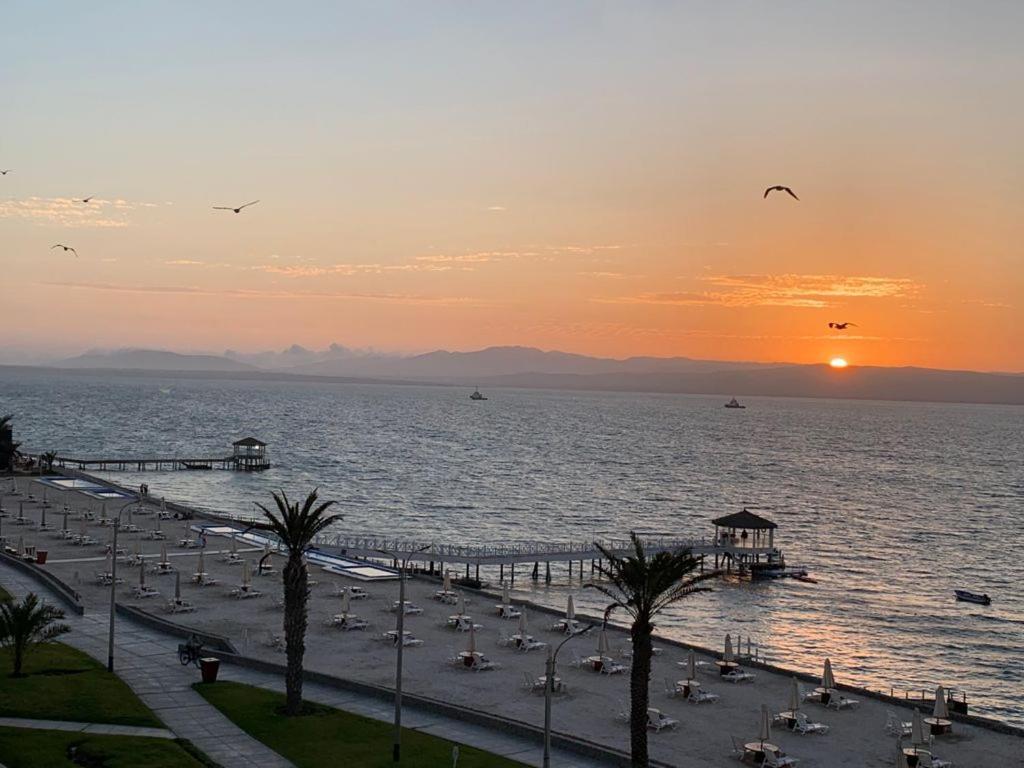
[{"x": 249, "y": 455}]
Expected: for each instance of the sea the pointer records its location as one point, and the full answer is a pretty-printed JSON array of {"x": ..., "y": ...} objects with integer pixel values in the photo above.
[{"x": 889, "y": 505}]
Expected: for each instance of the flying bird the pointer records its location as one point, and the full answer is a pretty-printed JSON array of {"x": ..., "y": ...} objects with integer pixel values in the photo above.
[
  {"x": 4, "y": 173},
  {"x": 781, "y": 188},
  {"x": 66, "y": 248},
  {"x": 841, "y": 326},
  {"x": 87, "y": 199},
  {"x": 236, "y": 210}
]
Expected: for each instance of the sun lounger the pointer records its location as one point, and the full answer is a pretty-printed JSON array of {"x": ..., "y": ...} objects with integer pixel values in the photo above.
[
  {"x": 841, "y": 702},
  {"x": 896, "y": 727},
  {"x": 771, "y": 760},
  {"x": 144, "y": 592},
  {"x": 702, "y": 697},
  {"x": 532, "y": 684},
  {"x": 803, "y": 725},
  {"x": 671, "y": 690},
  {"x": 274, "y": 641},
  {"x": 657, "y": 721},
  {"x": 739, "y": 676},
  {"x": 180, "y": 606},
  {"x": 609, "y": 667}
]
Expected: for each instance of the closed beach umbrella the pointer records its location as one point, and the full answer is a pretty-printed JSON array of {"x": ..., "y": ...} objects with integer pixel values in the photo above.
[
  {"x": 21, "y": 510},
  {"x": 522, "y": 623},
  {"x": 828, "y": 681},
  {"x": 447, "y": 586},
  {"x": 691, "y": 665},
  {"x": 163, "y": 505},
  {"x": 107, "y": 560},
  {"x": 917, "y": 736},
  {"x": 234, "y": 545},
  {"x": 157, "y": 524},
  {"x": 21, "y": 544},
  {"x": 346, "y": 603},
  {"x": 42, "y": 517},
  {"x": 177, "y": 585},
  {"x": 602, "y": 643},
  {"x": 728, "y": 655},
  {"x": 142, "y": 574},
  {"x": 130, "y": 518},
  {"x": 472, "y": 639},
  {"x": 163, "y": 555},
  {"x": 103, "y": 509},
  {"x": 794, "y": 696},
  {"x": 505, "y": 599},
  {"x": 246, "y": 575},
  {"x": 462, "y": 605},
  {"x": 186, "y": 532},
  {"x": 82, "y": 526},
  {"x": 940, "y": 710},
  {"x": 65, "y": 524},
  {"x": 202, "y": 563},
  {"x": 765, "y": 732},
  {"x": 570, "y": 609}
]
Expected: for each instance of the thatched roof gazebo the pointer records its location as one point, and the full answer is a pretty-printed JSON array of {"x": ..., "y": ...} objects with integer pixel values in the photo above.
[
  {"x": 733, "y": 533},
  {"x": 250, "y": 454}
]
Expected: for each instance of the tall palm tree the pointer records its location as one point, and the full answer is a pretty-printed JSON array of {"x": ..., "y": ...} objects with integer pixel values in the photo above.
[
  {"x": 46, "y": 461},
  {"x": 296, "y": 525},
  {"x": 643, "y": 587},
  {"x": 26, "y": 624}
]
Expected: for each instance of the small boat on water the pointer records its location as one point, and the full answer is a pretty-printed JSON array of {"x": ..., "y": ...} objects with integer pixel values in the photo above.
[
  {"x": 734, "y": 403},
  {"x": 972, "y": 597},
  {"x": 476, "y": 395}
]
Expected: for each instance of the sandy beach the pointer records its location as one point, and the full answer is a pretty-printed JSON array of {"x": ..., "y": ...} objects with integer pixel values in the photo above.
[{"x": 589, "y": 708}]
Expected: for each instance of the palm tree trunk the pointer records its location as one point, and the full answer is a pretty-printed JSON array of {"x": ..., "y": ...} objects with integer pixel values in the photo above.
[
  {"x": 639, "y": 691},
  {"x": 296, "y": 592},
  {"x": 19, "y": 655}
]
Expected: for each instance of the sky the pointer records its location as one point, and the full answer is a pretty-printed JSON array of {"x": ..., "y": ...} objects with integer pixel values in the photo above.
[{"x": 582, "y": 176}]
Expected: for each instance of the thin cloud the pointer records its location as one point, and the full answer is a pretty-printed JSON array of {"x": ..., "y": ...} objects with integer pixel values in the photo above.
[
  {"x": 788, "y": 290},
  {"x": 185, "y": 263},
  {"x": 68, "y": 212},
  {"x": 244, "y": 293},
  {"x": 312, "y": 270},
  {"x": 497, "y": 208}
]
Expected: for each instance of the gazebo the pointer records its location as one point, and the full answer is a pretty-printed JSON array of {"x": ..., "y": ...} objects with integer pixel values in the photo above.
[
  {"x": 748, "y": 545},
  {"x": 250, "y": 454}
]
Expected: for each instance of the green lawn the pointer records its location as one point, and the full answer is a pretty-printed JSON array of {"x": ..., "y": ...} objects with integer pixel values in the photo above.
[
  {"x": 328, "y": 737},
  {"x": 62, "y": 683},
  {"x": 24, "y": 748}
]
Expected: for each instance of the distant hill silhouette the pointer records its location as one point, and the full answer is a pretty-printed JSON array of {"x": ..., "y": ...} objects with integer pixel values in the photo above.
[
  {"x": 534, "y": 368},
  {"x": 153, "y": 360}
]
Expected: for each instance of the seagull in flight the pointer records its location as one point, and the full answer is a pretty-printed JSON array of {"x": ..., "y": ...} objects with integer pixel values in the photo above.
[
  {"x": 66, "y": 248},
  {"x": 87, "y": 199},
  {"x": 236, "y": 210},
  {"x": 4, "y": 173},
  {"x": 781, "y": 188},
  {"x": 841, "y": 326}
]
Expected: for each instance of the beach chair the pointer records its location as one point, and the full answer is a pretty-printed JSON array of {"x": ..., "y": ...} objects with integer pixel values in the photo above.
[
  {"x": 576, "y": 662},
  {"x": 738, "y": 751},
  {"x": 180, "y": 606},
  {"x": 144, "y": 592},
  {"x": 841, "y": 702},
  {"x": 803, "y": 725},
  {"x": 532, "y": 645},
  {"x": 670, "y": 689},
  {"x": 928, "y": 760},
  {"x": 773, "y": 760},
  {"x": 702, "y": 697},
  {"x": 353, "y": 623},
  {"x": 657, "y": 721},
  {"x": 739, "y": 676},
  {"x": 896, "y": 727},
  {"x": 610, "y": 667},
  {"x": 533, "y": 684}
]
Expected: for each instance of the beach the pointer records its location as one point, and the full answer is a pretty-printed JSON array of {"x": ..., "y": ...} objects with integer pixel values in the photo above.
[{"x": 590, "y": 707}]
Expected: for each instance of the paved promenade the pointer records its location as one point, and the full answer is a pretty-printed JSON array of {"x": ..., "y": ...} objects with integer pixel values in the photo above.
[{"x": 147, "y": 661}]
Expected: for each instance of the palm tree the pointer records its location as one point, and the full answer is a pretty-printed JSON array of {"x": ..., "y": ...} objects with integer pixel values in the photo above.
[
  {"x": 28, "y": 623},
  {"x": 8, "y": 447},
  {"x": 643, "y": 587},
  {"x": 296, "y": 526},
  {"x": 46, "y": 461}
]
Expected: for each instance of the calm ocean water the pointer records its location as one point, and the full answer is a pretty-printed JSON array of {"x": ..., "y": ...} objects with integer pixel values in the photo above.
[{"x": 890, "y": 505}]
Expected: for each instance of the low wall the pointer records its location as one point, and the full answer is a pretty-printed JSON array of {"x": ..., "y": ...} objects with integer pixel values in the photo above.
[
  {"x": 64, "y": 593},
  {"x": 581, "y": 747},
  {"x": 215, "y": 643}
]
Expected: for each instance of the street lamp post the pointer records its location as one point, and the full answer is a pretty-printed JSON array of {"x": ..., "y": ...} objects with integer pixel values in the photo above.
[
  {"x": 549, "y": 689},
  {"x": 396, "y": 749},
  {"x": 113, "y": 583}
]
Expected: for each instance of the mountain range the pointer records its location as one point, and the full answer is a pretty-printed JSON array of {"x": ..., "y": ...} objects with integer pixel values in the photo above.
[{"x": 528, "y": 367}]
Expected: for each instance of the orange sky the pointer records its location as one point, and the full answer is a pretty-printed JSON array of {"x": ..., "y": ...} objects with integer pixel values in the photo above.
[{"x": 582, "y": 178}]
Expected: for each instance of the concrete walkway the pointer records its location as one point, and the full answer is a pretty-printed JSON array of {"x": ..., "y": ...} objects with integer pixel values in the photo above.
[
  {"x": 103, "y": 729},
  {"x": 147, "y": 661}
]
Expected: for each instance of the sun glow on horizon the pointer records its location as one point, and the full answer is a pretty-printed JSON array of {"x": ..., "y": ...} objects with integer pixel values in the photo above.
[{"x": 838, "y": 362}]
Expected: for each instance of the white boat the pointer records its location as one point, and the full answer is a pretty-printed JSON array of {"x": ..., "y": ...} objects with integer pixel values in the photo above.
[{"x": 734, "y": 403}]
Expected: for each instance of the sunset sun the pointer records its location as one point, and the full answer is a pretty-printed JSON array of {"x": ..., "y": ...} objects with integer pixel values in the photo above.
[{"x": 837, "y": 362}]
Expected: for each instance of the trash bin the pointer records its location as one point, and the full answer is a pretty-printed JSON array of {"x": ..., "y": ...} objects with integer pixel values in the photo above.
[
  {"x": 209, "y": 665},
  {"x": 41, "y": 556}
]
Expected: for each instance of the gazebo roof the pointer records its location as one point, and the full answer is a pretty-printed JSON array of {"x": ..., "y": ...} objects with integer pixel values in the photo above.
[
  {"x": 745, "y": 519},
  {"x": 249, "y": 442}
]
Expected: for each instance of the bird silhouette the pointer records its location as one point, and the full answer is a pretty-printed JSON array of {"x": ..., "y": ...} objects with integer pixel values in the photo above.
[
  {"x": 66, "y": 248},
  {"x": 87, "y": 199},
  {"x": 236, "y": 210},
  {"x": 4, "y": 173},
  {"x": 781, "y": 188},
  {"x": 841, "y": 326}
]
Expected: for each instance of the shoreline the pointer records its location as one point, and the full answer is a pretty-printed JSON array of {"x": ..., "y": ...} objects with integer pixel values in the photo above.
[{"x": 980, "y": 721}]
